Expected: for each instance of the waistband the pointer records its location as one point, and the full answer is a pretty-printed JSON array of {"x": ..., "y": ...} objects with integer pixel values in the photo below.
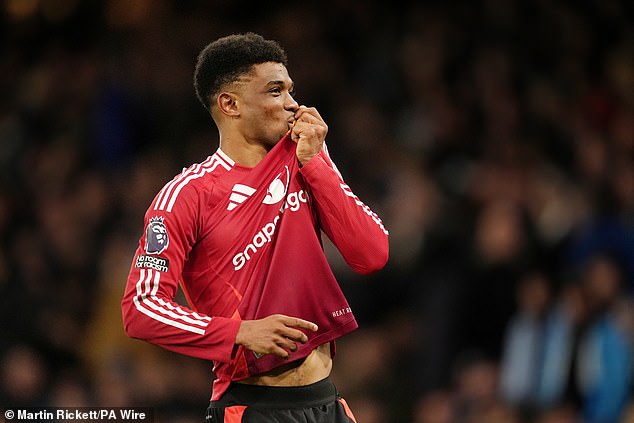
[{"x": 316, "y": 394}]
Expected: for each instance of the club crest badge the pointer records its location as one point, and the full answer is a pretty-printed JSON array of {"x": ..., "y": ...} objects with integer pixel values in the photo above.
[{"x": 156, "y": 239}]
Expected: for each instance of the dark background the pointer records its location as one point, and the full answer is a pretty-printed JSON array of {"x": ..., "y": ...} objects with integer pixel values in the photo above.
[{"x": 495, "y": 139}]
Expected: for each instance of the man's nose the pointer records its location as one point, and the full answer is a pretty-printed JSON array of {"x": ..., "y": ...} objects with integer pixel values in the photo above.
[{"x": 291, "y": 104}]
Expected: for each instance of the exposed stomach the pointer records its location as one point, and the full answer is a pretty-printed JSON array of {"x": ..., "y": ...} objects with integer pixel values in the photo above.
[{"x": 315, "y": 367}]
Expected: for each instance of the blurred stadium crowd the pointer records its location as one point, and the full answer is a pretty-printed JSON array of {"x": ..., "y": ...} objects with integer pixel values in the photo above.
[{"x": 495, "y": 138}]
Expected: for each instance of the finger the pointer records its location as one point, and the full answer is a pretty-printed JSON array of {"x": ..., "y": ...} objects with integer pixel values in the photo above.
[
  {"x": 301, "y": 110},
  {"x": 298, "y": 129},
  {"x": 308, "y": 113},
  {"x": 296, "y": 322},
  {"x": 294, "y": 335},
  {"x": 308, "y": 129},
  {"x": 312, "y": 120},
  {"x": 309, "y": 118},
  {"x": 290, "y": 130},
  {"x": 294, "y": 132},
  {"x": 287, "y": 344},
  {"x": 279, "y": 351}
]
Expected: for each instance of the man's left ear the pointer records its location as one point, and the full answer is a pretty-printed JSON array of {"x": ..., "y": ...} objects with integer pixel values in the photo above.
[{"x": 228, "y": 104}]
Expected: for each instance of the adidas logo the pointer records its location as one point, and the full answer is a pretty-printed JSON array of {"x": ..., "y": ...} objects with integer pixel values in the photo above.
[
  {"x": 274, "y": 194},
  {"x": 239, "y": 194}
]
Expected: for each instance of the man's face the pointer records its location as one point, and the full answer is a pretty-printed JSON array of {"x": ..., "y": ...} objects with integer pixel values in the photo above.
[{"x": 266, "y": 104}]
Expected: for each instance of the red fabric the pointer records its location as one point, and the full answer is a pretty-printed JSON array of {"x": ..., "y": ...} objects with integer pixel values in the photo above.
[
  {"x": 347, "y": 409},
  {"x": 234, "y": 414},
  {"x": 244, "y": 244}
]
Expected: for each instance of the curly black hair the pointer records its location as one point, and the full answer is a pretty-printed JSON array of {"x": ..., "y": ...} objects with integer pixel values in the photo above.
[{"x": 227, "y": 58}]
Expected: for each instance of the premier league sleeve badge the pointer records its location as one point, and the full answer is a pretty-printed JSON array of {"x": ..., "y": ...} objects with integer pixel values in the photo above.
[{"x": 156, "y": 239}]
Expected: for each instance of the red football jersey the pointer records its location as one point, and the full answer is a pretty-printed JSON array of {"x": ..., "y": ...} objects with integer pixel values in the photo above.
[{"x": 245, "y": 243}]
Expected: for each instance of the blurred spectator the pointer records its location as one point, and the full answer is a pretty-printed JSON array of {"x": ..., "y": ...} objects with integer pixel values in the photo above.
[
  {"x": 24, "y": 377},
  {"x": 476, "y": 386},
  {"x": 435, "y": 407},
  {"x": 557, "y": 375},
  {"x": 605, "y": 351},
  {"x": 577, "y": 353},
  {"x": 541, "y": 346},
  {"x": 560, "y": 414},
  {"x": 500, "y": 250},
  {"x": 521, "y": 364}
]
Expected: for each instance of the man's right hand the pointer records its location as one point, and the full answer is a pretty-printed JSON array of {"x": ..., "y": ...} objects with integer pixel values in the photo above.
[{"x": 276, "y": 334}]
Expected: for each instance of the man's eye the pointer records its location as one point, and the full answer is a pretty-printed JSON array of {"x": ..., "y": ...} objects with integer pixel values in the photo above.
[{"x": 275, "y": 90}]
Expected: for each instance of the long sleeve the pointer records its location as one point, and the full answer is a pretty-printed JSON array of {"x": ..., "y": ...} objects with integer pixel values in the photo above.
[
  {"x": 148, "y": 307},
  {"x": 357, "y": 231}
]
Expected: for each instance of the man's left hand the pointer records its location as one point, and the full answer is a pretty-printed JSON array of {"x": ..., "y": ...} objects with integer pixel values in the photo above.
[{"x": 309, "y": 132}]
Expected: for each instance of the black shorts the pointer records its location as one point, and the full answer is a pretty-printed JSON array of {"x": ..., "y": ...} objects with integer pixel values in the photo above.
[{"x": 316, "y": 403}]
